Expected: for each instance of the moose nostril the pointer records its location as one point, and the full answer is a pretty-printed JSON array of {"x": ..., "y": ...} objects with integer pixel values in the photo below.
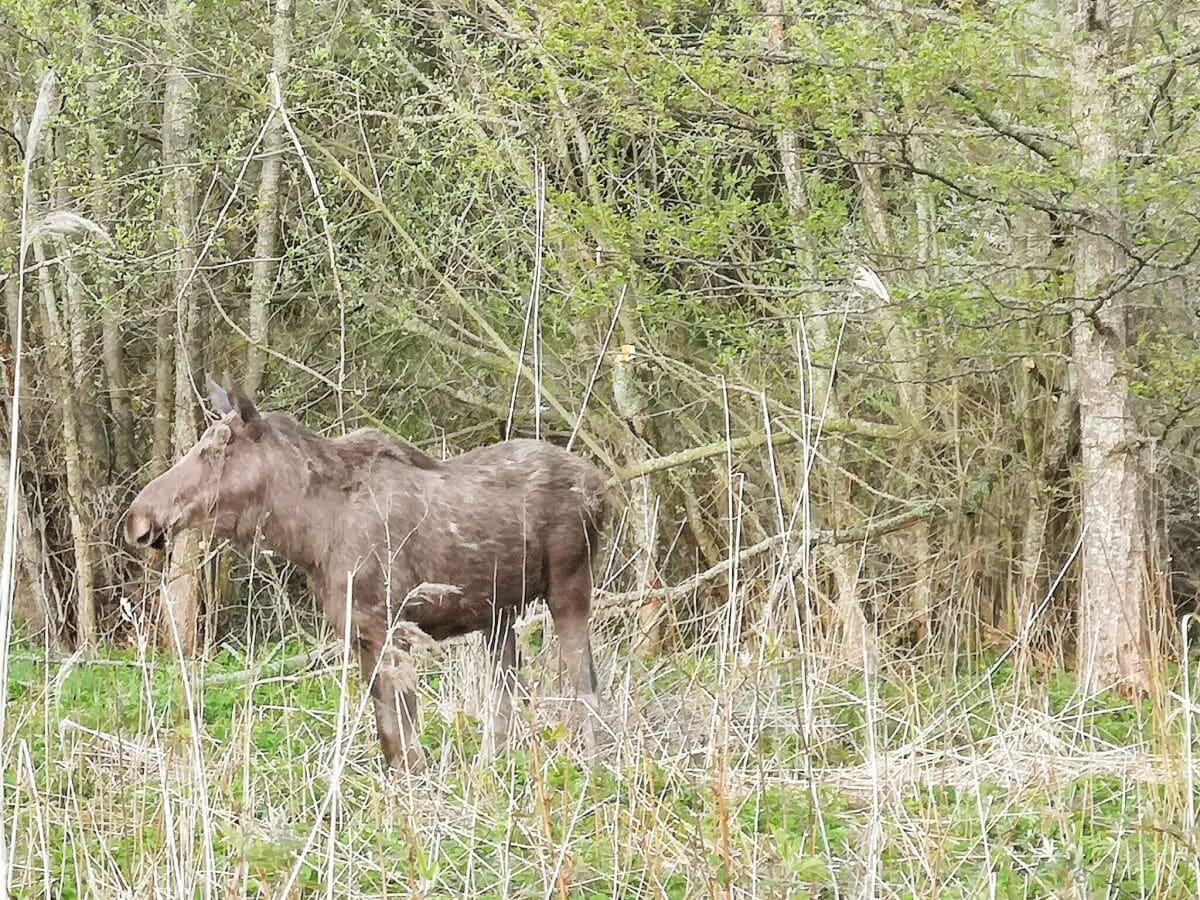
[{"x": 138, "y": 531}]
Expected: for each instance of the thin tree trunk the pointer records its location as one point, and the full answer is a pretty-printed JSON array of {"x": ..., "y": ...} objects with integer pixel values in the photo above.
[
  {"x": 31, "y": 602},
  {"x": 164, "y": 384},
  {"x": 80, "y": 380},
  {"x": 183, "y": 590},
  {"x": 922, "y": 532},
  {"x": 93, "y": 455},
  {"x": 630, "y": 403},
  {"x": 1056, "y": 443},
  {"x": 1113, "y": 600},
  {"x": 111, "y": 307},
  {"x": 903, "y": 352},
  {"x": 77, "y": 337},
  {"x": 72, "y": 454},
  {"x": 111, "y": 311},
  {"x": 265, "y": 266}
]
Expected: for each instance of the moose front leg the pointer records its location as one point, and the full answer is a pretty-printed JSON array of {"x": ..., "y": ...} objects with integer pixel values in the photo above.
[{"x": 393, "y": 684}]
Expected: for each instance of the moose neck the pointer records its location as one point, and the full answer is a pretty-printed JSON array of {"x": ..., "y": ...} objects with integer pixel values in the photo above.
[{"x": 299, "y": 510}]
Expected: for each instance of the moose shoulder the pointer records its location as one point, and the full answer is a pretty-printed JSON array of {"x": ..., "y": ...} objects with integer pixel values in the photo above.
[{"x": 452, "y": 547}]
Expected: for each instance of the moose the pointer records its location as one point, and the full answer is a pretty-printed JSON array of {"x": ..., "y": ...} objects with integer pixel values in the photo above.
[{"x": 392, "y": 539}]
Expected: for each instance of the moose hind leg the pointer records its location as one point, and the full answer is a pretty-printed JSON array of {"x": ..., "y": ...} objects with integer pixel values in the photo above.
[
  {"x": 570, "y": 603},
  {"x": 393, "y": 687},
  {"x": 502, "y": 650}
]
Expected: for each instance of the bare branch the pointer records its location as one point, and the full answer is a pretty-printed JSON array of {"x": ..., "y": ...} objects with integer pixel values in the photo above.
[
  {"x": 917, "y": 512},
  {"x": 1182, "y": 57},
  {"x": 998, "y": 123},
  {"x": 857, "y": 427}
]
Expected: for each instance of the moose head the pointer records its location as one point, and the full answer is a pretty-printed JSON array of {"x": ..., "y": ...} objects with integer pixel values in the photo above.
[{"x": 220, "y": 477}]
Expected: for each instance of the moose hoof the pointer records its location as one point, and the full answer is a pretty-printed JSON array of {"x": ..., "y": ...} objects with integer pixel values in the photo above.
[
  {"x": 409, "y": 761},
  {"x": 495, "y": 747},
  {"x": 585, "y": 740}
]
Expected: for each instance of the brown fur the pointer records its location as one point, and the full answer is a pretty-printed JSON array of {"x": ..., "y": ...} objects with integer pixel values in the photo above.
[{"x": 452, "y": 547}]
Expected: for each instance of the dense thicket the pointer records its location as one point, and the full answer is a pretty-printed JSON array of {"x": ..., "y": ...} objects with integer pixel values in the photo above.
[{"x": 889, "y": 303}]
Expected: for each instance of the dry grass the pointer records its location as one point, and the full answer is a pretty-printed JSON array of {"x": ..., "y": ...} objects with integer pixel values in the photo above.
[{"x": 763, "y": 774}]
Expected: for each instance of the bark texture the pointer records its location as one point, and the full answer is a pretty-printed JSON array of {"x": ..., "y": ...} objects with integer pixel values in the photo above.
[
  {"x": 1113, "y": 598},
  {"x": 73, "y": 455},
  {"x": 266, "y": 240},
  {"x": 182, "y": 592}
]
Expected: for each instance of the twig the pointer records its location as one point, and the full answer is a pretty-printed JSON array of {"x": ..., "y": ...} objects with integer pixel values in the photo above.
[
  {"x": 1184, "y": 56},
  {"x": 587, "y": 394},
  {"x": 330, "y": 248}
]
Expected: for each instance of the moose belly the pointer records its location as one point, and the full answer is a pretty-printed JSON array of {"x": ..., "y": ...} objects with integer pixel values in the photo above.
[{"x": 448, "y": 604}]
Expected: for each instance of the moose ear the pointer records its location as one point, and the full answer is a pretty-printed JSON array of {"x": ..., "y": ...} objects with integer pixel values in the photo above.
[
  {"x": 243, "y": 404},
  {"x": 219, "y": 397}
]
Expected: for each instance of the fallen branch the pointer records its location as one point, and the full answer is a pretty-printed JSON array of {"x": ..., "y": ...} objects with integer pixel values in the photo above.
[
  {"x": 818, "y": 536},
  {"x": 276, "y": 668}
]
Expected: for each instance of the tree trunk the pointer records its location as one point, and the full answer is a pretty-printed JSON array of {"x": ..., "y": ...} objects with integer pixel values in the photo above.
[
  {"x": 1055, "y": 443},
  {"x": 1113, "y": 600},
  {"x": 73, "y": 457},
  {"x": 903, "y": 350},
  {"x": 164, "y": 383},
  {"x": 77, "y": 337},
  {"x": 182, "y": 591},
  {"x": 266, "y": 240}
]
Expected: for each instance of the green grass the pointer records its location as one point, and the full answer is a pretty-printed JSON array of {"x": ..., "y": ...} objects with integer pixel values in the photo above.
[{"x": 764, "y": 777}]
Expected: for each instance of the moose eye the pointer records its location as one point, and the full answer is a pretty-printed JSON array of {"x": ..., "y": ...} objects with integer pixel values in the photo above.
[{"x": 215, "y": 440}]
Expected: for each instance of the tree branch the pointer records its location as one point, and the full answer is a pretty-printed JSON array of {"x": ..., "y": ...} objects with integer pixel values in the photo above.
[
  {"x": 1186, "y": 55},
  {"x": 993, "y": 121},
  {"x": 1052, "y": 209},
  {"x": 858, "y": 427}
]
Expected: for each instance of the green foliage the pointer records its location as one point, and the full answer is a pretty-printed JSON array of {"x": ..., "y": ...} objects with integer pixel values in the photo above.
[{"x": 614, "y": 823}]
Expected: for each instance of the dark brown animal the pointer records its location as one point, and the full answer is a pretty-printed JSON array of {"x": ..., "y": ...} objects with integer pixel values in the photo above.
[{"x": 452, "y": 547}]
